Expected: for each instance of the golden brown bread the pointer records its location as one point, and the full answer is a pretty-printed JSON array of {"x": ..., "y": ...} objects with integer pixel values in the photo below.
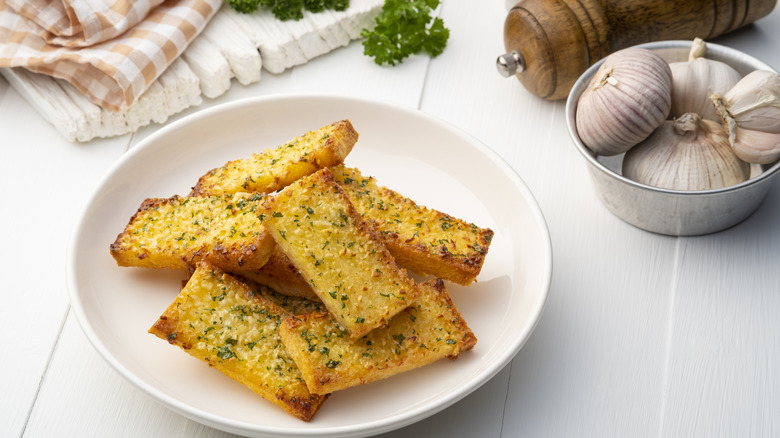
[
  {"x": 343, "y": 259},
  {"x": 281, "y": 275},
  {"x": 291, "y": 303},
  {"x": 177, "y": 232},
  {"x": 222, "y": 322},
  {"x": 421, "y": 239},
  {"x": 423, "y": 333},
  {"x": 350, "y": 313},
  {"x": 272, "y": 169}
]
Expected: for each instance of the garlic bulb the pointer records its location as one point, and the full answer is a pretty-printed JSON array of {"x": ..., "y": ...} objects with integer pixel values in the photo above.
[
  {"x": 688, "y": 153},
  {"x": 694, "y": 81},
  {"x": 750, "y": 112},
  {"x": 756, "y": 146},
  {"x": 628, "y": 97},
  {"x": 753, "y": 103}
]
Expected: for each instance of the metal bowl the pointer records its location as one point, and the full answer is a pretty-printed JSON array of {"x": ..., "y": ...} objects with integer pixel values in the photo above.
[{"x": 664, "y": 211}]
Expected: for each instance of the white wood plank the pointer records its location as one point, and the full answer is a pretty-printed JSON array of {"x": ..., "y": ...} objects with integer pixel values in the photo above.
[
  {"x": 206, "y": 61},
  {"x": 358, "y": 16},
  {"x": 307, "y": 38},
  {"x": 459, "y": 420},
  {"x": 83, "y": 396},
  {"x": 725, "y": 345},
  {"x": 79, "y": 120},
  {"x": 347, "y": 72},
  {"x": 326, "y": 23},
  {"x": 271, "y": 84},
  {"x": 48, "y": 98},
  {"x": 182, "y": 87},
  {"x": 47, "y": 180},
  {"x": 91, "y": 113},
  {"x": 235, "y": 46},
  {"x": 268, "y": 37},
  {"x": 725, "y": 351}
]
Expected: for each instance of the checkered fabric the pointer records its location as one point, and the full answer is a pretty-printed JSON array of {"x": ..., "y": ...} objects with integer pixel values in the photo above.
[{"x": 110, "y": 50}]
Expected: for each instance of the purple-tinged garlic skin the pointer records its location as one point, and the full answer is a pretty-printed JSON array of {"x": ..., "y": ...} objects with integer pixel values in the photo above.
[
  {"x": 628, "y": 98},
  {"x": 688, "y": 153}
]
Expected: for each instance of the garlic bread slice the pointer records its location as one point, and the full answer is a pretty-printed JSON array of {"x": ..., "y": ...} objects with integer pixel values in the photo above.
[
  {"x": 224, "y": 323},
  {"x": 338, "y": 253}
]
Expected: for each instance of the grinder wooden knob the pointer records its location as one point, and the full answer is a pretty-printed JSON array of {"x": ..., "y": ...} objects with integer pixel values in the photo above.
[{"x": 550, "y": 43}]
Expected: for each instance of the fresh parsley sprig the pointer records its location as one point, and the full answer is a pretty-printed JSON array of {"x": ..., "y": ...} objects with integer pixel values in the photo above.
[
  {"x": 403, "y": 27},
  {"x": 288, "y": 9}
]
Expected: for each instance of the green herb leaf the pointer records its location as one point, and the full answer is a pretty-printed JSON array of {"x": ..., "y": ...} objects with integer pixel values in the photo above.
[
  {"x": 288, "y": 9},
  {"x": 225, "y": 353},
  {"x": 405, "y": 28},
  {"x": 244, "y": 6}
]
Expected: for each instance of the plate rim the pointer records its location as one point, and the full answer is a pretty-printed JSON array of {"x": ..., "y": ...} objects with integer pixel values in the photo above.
[{"x": 253, "y": 429}]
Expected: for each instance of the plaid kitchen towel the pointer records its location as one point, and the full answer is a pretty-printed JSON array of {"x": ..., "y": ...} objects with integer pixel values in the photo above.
[{"x": 111, "y": 50}]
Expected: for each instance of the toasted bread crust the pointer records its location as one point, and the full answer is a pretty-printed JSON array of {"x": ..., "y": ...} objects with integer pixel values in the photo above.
[
  {"x": 280, "y": 274},
  {"x": 340, "y": 255},
  {"x": 275, "y": 168},
  {"x": 222, "y": 322},
  {"x": 291, "y": 304},
  {"x": 423, "y": 240},
  {"x": 420, "y": 239},
  {"x": 177, "y": 232},
  {"x": 425, "y": 332}
]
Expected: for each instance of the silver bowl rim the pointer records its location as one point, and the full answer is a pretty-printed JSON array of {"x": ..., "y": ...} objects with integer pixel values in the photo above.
[{"x": 590, "y": 156}]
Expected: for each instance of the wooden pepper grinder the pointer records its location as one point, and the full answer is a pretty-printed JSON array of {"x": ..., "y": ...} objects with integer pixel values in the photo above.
[{"x": 550, "y": 43}]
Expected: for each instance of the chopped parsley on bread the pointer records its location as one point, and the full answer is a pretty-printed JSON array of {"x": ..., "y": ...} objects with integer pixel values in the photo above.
[
  {"x": 298, "y": 264},
  {"x": 224, "y": 323},
  {"x": 177, "y": 232},
  {"x": 280, "y": 274},
  {"x": 429, "y": 330},
  {"x": 421, "y": 239},
  {"x": 273, "y": 169},
  {"x": 339, "y": 254}
]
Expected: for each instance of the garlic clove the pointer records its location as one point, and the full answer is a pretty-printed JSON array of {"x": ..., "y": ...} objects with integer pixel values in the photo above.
[
  {"x": 628, "y": 97},
  {"x": 688, "y": 153},
  {"x": 756, "y": 146},
  {"x": 695, "y": 80},
  {"x": 753, "y": 103},
  {"x": 755, "y": 170}
]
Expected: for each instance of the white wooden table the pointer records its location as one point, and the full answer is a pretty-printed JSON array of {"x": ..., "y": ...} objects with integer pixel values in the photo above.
[{"x": 643, "y": 335}]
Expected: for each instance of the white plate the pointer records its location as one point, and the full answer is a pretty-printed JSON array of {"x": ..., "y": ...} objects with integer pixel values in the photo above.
[{"x": 426, "y": 160}]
